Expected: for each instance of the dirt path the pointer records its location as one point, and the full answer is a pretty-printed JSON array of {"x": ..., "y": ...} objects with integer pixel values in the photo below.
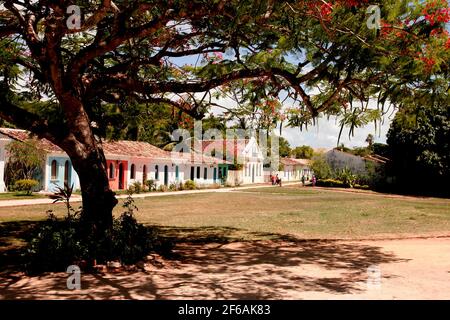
[{"x": 291, "y": 269}]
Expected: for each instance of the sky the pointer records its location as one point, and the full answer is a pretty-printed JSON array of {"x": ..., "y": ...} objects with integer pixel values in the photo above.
[{"x": 325, "y": 135}]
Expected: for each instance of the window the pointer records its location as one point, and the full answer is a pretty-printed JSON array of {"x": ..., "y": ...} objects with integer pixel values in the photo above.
[
  {"x": 156, "y": 172},
  {"x": 66, "y": 172},
  {"x": 133, "y": 171},
  {"x": 54, "y": 170},
  {"x": 192, "y": 173},
  {"x": 177, "y": 173},
  {"x": 111, "y": 171},
  {"x": 205, "y": 173},
  {"x": 198, "y": 172}
]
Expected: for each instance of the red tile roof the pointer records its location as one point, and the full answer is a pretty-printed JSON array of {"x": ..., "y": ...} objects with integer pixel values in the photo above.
[
  {"x": 111, "y": 148},
  {"x": 295, "y": 162},
  {"x": 231, "y": 148},
  {"x": 22, "y": 135}
]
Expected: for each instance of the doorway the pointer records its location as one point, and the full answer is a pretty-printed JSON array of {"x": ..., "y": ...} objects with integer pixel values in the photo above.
[
  {"x": 166, "y": 175},
  {"x": 121, "y": 182}
]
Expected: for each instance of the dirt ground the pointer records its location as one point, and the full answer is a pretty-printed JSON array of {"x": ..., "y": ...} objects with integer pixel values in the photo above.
[{"x": 288, "y": 269}]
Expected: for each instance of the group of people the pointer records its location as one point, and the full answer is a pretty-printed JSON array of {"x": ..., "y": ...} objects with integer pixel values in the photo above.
[{"x": 275, "y": 180}]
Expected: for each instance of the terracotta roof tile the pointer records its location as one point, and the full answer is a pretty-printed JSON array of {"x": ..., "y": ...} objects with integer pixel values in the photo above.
[
  {"x": 293, "y": 161},
  {"x": 111, "y": 148}
]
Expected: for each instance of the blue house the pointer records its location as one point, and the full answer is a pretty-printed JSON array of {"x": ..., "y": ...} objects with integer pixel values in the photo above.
[{"x": 59, "y": 170}]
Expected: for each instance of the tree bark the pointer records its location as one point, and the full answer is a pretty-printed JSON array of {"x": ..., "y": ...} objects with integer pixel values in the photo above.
[{"x": 97, "y": 197}]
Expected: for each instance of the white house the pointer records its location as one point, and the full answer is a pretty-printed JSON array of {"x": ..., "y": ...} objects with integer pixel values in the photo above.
[
  {"x": 127, "y": 162},
  {"x": 244, "y": 156},
  {"x": 293, "y": 169}
]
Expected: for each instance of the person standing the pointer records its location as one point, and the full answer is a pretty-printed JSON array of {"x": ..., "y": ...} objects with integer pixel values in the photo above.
[
  {"x": 303, "y": 180},
  {"x": 314, "y": 181}
]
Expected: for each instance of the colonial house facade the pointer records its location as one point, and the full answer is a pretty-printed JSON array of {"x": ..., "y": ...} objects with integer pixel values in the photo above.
[
  {"x": 232, "y": 162},
  {"x": 293, "y": 169},
  {"x": 127, "y": 162},
  {"x": 245, "y": 160}
]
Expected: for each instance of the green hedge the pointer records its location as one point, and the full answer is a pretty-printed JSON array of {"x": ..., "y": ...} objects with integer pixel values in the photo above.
[{"x": 331, "y": 183}]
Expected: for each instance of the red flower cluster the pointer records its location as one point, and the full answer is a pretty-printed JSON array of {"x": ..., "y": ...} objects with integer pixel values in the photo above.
[
  {"x": 429, "y": 63},
  {"x": 437, "y": 11},
  {"x": 326, "y": 8}
]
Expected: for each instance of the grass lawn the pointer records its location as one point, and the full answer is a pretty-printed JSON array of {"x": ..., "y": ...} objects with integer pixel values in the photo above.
[
  {"x": 270, "y": 212},
  {"x": 19, "y": 196}
]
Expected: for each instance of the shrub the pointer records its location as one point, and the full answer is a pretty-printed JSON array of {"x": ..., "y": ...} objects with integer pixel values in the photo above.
[
  {"x": 26, "y": 185},
  {"x": 190, "y": 185},
  {"x": 362, "y": 187},
  {"x": 173, "y": 187},
  {"x": 136, "y": 187},
  {"x": 58, "y": 243},
  {"x": 163, "y": 188},
  {"x": 347, "y": 177},
  {"x": 151, "y": 185},
  {"x": 321, "y": 168},
  {"x": 330, "y": 183}
]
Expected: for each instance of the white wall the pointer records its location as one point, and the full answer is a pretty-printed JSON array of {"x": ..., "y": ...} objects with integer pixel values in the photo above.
[
  {"x": 184, "y": 171},
  {"x": 252, "y": 172},
  {"x": 3, "y": 142}
]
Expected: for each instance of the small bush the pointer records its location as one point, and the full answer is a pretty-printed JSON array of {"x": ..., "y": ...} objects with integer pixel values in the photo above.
[
  {"x": 173, "y": 187},
  {"x": 136, "y": 187},
  {"x": 151, "y": 185},
  {"x": 331, "y": 183},
  {"x": 190, "y": 185},
  {"x": 347, "y": 177},
  {"x": 58, "y": 243},
  {"x": 163, "y": 188},
  {"x": 26, "y": 185}
]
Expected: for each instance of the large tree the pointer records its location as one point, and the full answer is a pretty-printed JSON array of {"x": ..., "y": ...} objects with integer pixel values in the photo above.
[
  {"x": 419, "y": 142},
  {"x": 127, "y": 52}
]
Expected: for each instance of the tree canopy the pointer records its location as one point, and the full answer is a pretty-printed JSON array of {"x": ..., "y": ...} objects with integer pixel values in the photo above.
[
  {"x": 419, "y": 143},
  {"x": 303, "y": 152},
  {"x": 60, "y": 79}
]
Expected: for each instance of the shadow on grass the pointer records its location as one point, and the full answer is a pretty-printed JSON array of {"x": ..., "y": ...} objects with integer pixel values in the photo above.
[
  {"x": 13, "y": 237},
  {"x": 212, "y": 263}
]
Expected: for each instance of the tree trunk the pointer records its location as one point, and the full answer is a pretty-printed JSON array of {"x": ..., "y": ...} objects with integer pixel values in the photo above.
[{"x": 98, "y": 199}]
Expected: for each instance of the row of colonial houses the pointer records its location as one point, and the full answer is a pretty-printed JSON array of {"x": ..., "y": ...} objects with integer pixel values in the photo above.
[{"x": 136, "y": 161}]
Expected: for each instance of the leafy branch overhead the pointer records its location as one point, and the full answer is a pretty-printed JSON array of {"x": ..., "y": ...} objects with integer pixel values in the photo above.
[
  {"x": 126, "y": 50},
  {"x": 61, "y": 82}
]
